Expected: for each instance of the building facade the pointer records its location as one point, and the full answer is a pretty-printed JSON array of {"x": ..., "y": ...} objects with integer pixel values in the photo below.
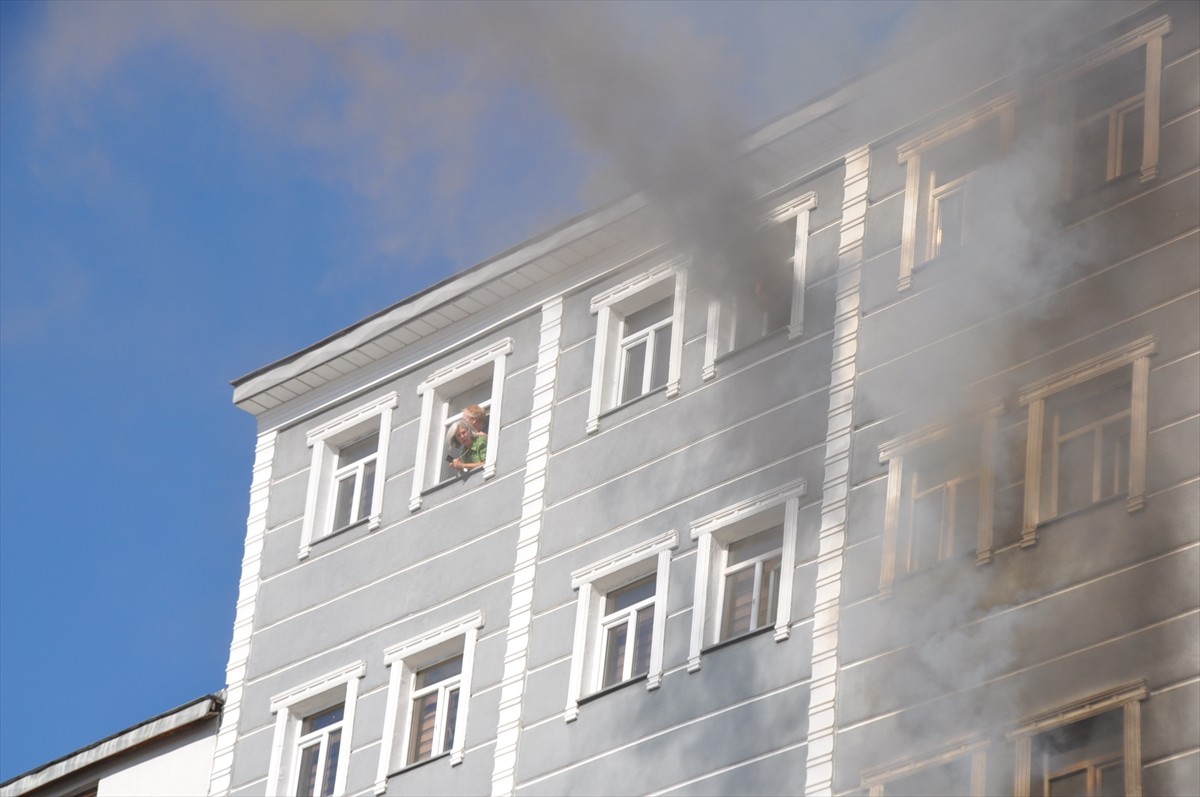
[{"x": 906, "y": 503}]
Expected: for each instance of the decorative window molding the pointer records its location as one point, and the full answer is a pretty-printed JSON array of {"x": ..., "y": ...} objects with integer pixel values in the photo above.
[
  {"x": 407, "y": 660},
  {"x": 342, "y": 494},
  {"x": 1042, "y": 455},
  {"x": 897, "y": 778},
  {"x": 438, "y": 393},
  {"x": 1149, "y": 100},
  {"x": 615, "y": 351},
  {"x": 594, "y": 584},
  {"x": 925, "y": 192},
  {"x": 715, "y": 534},
  {"x": 722, "y": 328},
  {"x": 292, "y": 708},
  {"x": 1126, "y": 754},
  {"x": 905, "y": 490}
]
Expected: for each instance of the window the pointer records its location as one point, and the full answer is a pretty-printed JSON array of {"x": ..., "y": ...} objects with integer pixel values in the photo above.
[
  {"x": 620, "y": 619},
  {"x": 638, "y": 344},
  {"x": 428, "y": 689},
  {"x": 941, "y": 165},
  {"x": 345, "y": 485},
  {"x": 309, "y": 756},
  {"x": 1110, "y": 98},
  {"x": 1086, "y": 437},
  {"x": 1092, "y": 749},
  {"x": 940, "y": 496},
  {"x": 746, "y": 558},
  {"x": 771, "y": 297},
  {"x": 474, "y": 380},
  {"x": 956, "y": 771}
]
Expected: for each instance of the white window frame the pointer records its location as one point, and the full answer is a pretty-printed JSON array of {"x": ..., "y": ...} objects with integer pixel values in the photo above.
[
  {"x": 918, "y": 197},
  {"x": 1149, "y": 36},
  {"x": 293, "y": 706},
  {"x": 718, "y": 337},
  {"x": 714, "y": 533},
  {"x": 487, "y": 362},
  {"x": 875, "y": 780},
  {"x": 1135, "y": 355},
  {"x": 1127, "y": 697},
  {"x": 596, "y": 581},
  {"x": 610, "y": 308},
  {"x": 893, "y": 453},
  {"x": 326, "y": 441},
  {"x": 405, "y": 660}
]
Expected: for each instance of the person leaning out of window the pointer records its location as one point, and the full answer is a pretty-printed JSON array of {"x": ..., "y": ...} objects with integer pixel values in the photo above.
[{"x": 473, "y": 448}]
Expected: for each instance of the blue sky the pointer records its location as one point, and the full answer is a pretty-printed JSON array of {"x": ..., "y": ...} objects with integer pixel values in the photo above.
[{"x": 188, "y": 192}]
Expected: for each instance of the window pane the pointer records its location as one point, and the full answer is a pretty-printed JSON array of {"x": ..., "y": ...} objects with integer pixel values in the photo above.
[
  {"x": 757, "y": 545},
  {"x": 949, "y": 233},
  {"x": 451, "y": 719},
  {"x": 358, "y": 450},
  {"x": 439, "y": 672},
  {"x": 633, "y": 371},
  {"x": 768, "y": 599},
  {"x": 307, "y": 784},
  {"x": 1073, "y": 784},
  {"x": 928, "y": 520},
  {"x": 739, "y": 602},
  {"x": 662, "y": 358},
  {"x": 1114, "y": 458},
  {"x": 345, "y": 500},
  {"x": 1090, "y": 156},
  {"x": 1075, "y": 473},
  {"x": 323, "y": 719},
  {"x": 420, "y": 746},
  {"x": 1112, "y": 780},
  {"x": 1131, "y": 132},
  {"x": 614, "y": 654},
  {"x": 649, "y": 316},
  {"x": 367, "y": 490},
  {"x": 641, "y": 642},
  {"x": 334, "y": 746},
  {"x": 630, "y": 594}
]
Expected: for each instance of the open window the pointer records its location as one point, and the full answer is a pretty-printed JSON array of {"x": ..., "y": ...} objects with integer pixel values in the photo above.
[
  {"x": 940, "y": 496},
  {"x": 467, "y": 391},
  {"x": 745, "y": 565},
  {"x": 313, "y": 723},
  {"x": 1086, "y": 439},
  {"x": 770, "y": 292},
  {"x": 1109, "y": 100},
  {"x": 345, "y": 486},
  {"x": 956, "y": 771},
  {"x": 639, "y": 345},
  {"x": 428, "y": 695},
  {"x": 1090, "y": 749},
  {"x": 620, "y": 620},
  {"x": 941, "y": 166}
]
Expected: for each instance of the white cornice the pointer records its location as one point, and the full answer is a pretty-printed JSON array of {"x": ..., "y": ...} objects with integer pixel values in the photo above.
[
  {"x": 623, "y": 559},
  {"x": 751, "y": 506},
  {"x": 1089, "y": 369}
]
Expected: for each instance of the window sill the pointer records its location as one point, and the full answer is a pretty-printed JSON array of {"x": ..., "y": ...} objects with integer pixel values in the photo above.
[
  {"x": 418, "y": 764},
  {"x": 459, "y": 479},
  {"x": 608, "y": 690},
  {"x": 634, "y": 400},
  {"x": 724, "y": 643}
]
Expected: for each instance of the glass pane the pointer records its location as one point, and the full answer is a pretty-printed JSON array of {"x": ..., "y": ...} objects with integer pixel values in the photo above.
[
  {"x": 323, "y": 719},
  {"x": 768, "y": 599},
  {"x": 1073, "y": 784},
  {"x": 439, "y": 672},
  {"x": 630, "y": 594},
  {"x": 420, "y": 745},
  {"x": 358, "y": 450},
  {"x": 739, "y": 602},
  {"x": 662, "y": 357},
  {"x": 1075, "y": 473},
  {"x": 1112, "y": 780},
  {"x": 1114, "y": 458},
  {"x": 1090, "y": 156},
  {"x": 480, "y": 394},
  {"x": 614, "y": 655},
  {"x": 754, "y": 546},
  {"x": 1132, "y": 127},
  {"x": 649, "y": 316},
  {"x": 965, "y": 523},
  {"x": 307, "y": 783},
  {"x": 643, "y": 634},
  {"x": 331, "y": 759},
  {"x": 368, "y": 490},
  {"x": 633, "y": 371},
  {"x": 949, "y": 232},
  {"x": 928, "y": 520},
  {"x": 451, "y": 719},
  {"x": 345, "y": 500}
]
